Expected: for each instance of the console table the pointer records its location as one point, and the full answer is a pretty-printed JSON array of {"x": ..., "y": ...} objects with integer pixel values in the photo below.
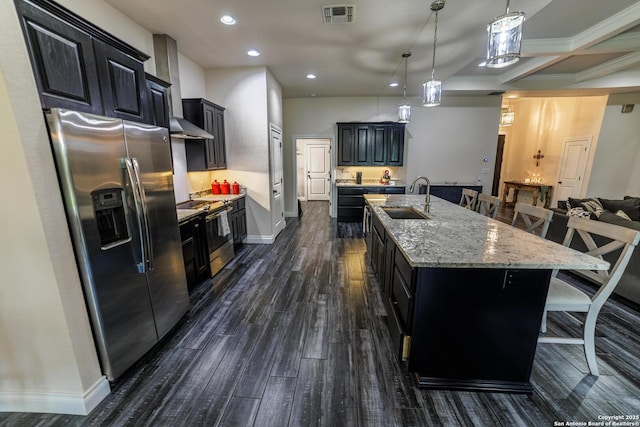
[{"x": 537, "y": 190}]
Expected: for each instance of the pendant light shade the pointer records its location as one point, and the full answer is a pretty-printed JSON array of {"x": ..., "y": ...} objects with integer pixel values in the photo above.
[
  {"x": 404, "y": 111},
  {"x": 505, "y": 37},
  {"x": 431, "y": 93},
  {"x": 432, "y": 90}
]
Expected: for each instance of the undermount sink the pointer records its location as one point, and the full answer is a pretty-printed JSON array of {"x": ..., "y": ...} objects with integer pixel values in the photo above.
[{"x": 404, "y": 213}]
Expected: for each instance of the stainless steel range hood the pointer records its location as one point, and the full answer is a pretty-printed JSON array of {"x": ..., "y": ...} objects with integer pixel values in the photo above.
[
  {"x": 166, "y": 56},
  {"x": 182, "y": 128}
]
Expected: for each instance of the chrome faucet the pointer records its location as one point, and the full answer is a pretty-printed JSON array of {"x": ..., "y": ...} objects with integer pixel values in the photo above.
[{"x": 427, "y": 199}]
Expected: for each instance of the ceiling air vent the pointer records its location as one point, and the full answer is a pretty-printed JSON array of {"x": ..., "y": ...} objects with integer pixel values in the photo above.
[{"x": 339, "y": 14}]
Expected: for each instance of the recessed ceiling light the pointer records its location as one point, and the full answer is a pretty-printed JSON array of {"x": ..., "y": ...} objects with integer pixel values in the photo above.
[
  {"x": 313, "y": 95},
  {"x": 311, "y": 76},
  {"x": 228, "y": 20},
  {"x": 393, "y": 84},
  {"x": 253, "y": 52}
]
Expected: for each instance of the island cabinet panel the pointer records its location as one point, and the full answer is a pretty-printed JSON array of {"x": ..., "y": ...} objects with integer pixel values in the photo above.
[
  {"x": 486, "y": 320},
  {"x": 62, "y": 59},
  {"x": 370, "y": 144},
  {"x": 399, "y": 301}
]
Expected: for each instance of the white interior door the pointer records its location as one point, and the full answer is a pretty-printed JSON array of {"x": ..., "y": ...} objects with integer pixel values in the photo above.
[
  {"x": 573, "y": 165},
  {"x": 277, "y": 199},
  {"x": 318, "y": 162}
]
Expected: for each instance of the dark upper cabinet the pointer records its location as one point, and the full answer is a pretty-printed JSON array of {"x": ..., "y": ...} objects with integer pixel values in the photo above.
[
  {"x": 158, "y": 100},
  {"x": 378, "y": 145},
  {"x": 205, "y": 154},
  {"x": 395, "y": 145},
  {"x": 79, "y": 66},
  {"x": 62, "y": 60},
  {"x": 362, "y": 146},
  {"x": 370, "y": 144},
  {"x": 123, "y": 84},
  {"x": 346, "y": 143}
]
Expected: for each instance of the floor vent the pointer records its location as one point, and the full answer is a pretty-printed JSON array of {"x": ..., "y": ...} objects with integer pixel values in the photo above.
[{"x": 339, "y": 14}]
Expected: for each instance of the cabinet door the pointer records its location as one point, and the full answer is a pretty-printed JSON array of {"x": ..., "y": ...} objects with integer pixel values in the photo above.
[
  {"x": 346, "y": 144},
  {"x": 362, "y": 152},
  {"x": 219, "y": 142},
  {"x": 389, "y": 256},
  {"x": 394, "y": 145},
  {"x": 201, "y": 249},
  {"x": 378, "y": 144},
  {"x": 158, "y": 98},
  {"x": 242, "y": 223},
  {"x": 62, "y": 59},
  {"x": 122, "y": 84},
  {"x": 209, "y": 124}
]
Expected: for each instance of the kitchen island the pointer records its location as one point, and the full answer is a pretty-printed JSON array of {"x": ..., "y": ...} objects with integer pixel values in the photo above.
[{"x": 464, "y": 293}]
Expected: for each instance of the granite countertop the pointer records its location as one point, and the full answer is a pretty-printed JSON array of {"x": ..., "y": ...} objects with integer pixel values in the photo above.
[
  {"x": 219, "y": 197},
  {"x": 454, "y": 237},
  {"x": 368, "y": 183},
  {"x": 187, "y": 213}
]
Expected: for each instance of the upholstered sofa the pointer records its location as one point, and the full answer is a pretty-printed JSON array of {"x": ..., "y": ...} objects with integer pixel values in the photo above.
[{"x": 629, "y": 285}]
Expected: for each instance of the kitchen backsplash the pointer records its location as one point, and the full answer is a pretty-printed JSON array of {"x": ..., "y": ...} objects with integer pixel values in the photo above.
[{"x": 370, "y": 172}]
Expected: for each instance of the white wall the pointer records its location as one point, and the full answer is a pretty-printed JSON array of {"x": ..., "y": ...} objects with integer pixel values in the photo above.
[
  {"x": 48, "y": 361},
  {"x": 244, "y": 94},
  {"x": 192, "y": 85},
  {"x": 616, "y": 165},
  {"x": 446, "y": 143}
]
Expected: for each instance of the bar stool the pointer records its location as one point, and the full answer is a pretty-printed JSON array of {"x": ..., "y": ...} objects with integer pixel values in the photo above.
[
  {"x": 542, "y": 215},
  {"x": 468, "y": 199},
  {"x": 488, "y": 205}
]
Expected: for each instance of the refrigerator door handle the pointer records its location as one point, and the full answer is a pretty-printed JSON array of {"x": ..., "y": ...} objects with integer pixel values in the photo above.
[
  {"x": 142, "y": 266},
  {"x": 145, "y": 214}
]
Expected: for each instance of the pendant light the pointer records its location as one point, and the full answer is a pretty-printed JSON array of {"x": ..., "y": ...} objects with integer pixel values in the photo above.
[
  {"x": 432, "y": 90},
  {"x": 506, "y": 115},
  {"x": 404, "y": 111},
  {"x": 505, "y": 37}
]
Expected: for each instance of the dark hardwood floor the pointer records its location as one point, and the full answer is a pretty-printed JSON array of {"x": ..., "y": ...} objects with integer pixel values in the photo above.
[{"x": 293, "y": 334}]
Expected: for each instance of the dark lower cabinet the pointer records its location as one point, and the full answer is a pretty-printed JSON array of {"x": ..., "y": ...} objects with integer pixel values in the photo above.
[
  {"x": 194, "y": 250},
  {"x": 451, "y": 193},
  {"x": 238, "y": 221},
  {"x": 351, "y": 200}
]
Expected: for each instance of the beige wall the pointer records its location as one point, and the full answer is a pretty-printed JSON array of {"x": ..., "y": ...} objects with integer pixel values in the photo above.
[
  {"x": 48, "y": 360},
  {"x": 616, "y": 164},
  {"x": 447, "y": 143},
  {"x": 544, "y": 124},
  {"x": 244, "y": 94}
]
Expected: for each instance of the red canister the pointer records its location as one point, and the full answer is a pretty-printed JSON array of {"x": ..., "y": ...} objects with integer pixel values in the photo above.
[
  {"x": 235, "y": 187},
  {"x": 215, "y": 187},
  {"x": 226, "y": 187}
]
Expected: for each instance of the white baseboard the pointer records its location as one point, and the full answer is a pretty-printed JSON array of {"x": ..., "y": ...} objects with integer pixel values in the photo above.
[
  {"x": 56, "y": 403},
  {"x": 259, "y": 239}
]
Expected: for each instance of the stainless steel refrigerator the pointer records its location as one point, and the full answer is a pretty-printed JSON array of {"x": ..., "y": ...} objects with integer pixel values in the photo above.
[{"x": 117, "y": 183}]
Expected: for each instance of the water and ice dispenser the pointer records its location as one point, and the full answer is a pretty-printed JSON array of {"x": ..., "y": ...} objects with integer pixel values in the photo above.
[{"x": 110, "y": 216}]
